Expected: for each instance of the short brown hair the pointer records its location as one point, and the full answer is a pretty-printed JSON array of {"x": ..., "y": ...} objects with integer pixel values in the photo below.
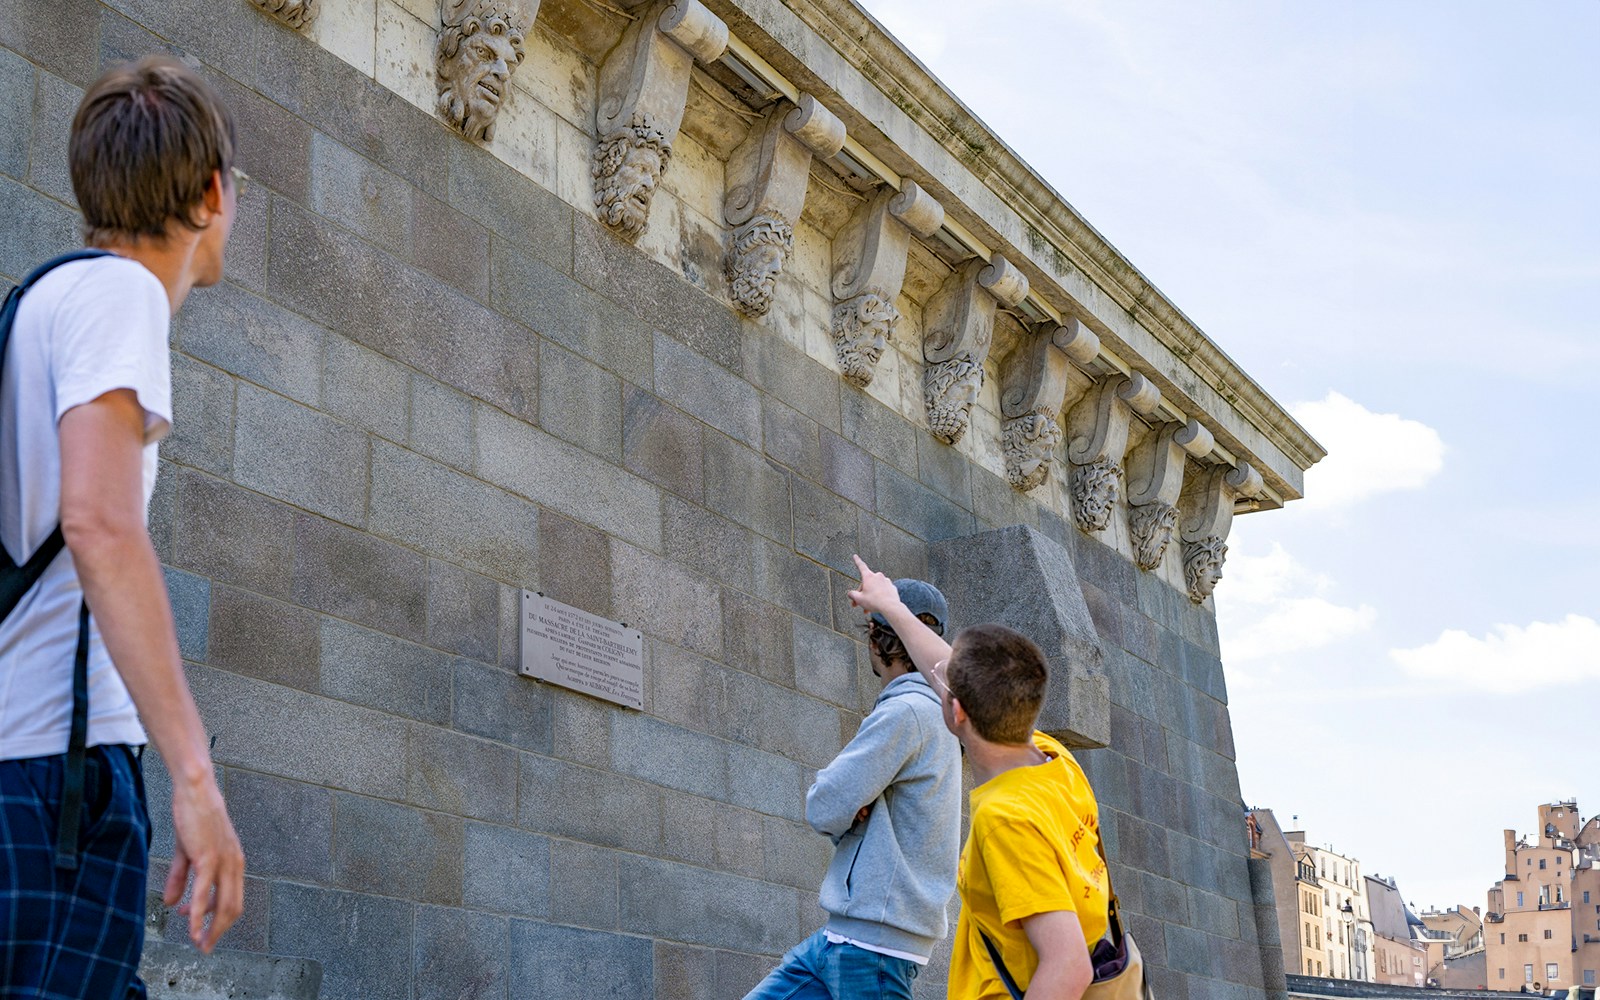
[
  {"x": 145, "y": 143},
  {"x": 886, "y": 642},
  {"x": 999, "y": 676}
]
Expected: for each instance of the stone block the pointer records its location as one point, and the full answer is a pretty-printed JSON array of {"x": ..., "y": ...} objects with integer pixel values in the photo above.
[
  {"x": 793, "y": 582},
  {"x": 39, "y": 228},
  {"x": 367, "y": 389},
  {"x": 508, "y": 870},
  {"x": 460, "y": 775},
  {"x": 709, "y": 545},
  {"x": 688, "y": 830},
  {"x": 747, "y": 488},
  {"x": 241, "y": 333},
  {"x": 17, "y": 87},
  {"x": 1191, "y": 951},
  {"x": 683, "y": 903},
  {"x": 351, "y": 574},
  {"x": 583, "y": 885},
  {"x": 456, "y": 518},
  {"x": 848, "y": 470},
  {"x": 661, "y": 599},
  {"x": 826, "y": 527},
  {"x": 441, "y": 422},
  {"x": 945, "y": 469},
  {"x": 162, "y": 510},
  {"x": 53, "y": 107},
  {"x": 796, "y": 855},
  {"x": 825, "y": 664},
  {"x": 546, "y": 300},
  {"x": 363, "y": 942},
  {"x": 1142, "y": 845},
  {"x": 661, "y": 444},
  {"x": 258, "y": 637},
  {"x": 337, "y": 279},
  {"x": 202, "y": 417},
  {"x": 358, "y": 194},
  {"x": 173, "y": 972},
  {"x": 383, "y": 847},
  {"x": 552, "y": 472},
  {"x": 298, "y": 455},
  {"x": 877, "y": 429},
  {"x": 1213, "y": 913},
  {"x": 668, "y": 755},
  {"x": 779, "y": 720},
  {"x": 190, "y": 597},
  {"x": 564, "y": 963},
  {"x": 791, "y": 438},
  {"x": 278, "y": 730},
  {"x": 510, "y": 204},
  {"x": 583, "y": 724},
  {"x": 891, "y": 550},
  {"x": 448, "y": 245},
  {"x": 1000, "y": 505},
  {"x": 687, "y": 690},
  {"x": 789, "y": 375},
  {"x": 580, "y": 402},
  {"x": 594, "y": 806},
  {"x": 685, "y": 973},
  {"x": 246, "y": 262},
  {"x": 393, "y": 676},
  {"x": 766, "y": 783},
  {"x": 657, "y": 295},
  {"x": 913, "y": 507},
  {"x": 758, "y": 638},
  {"x": 271, "y": 144},
  {"x": 286, "y": 827},
  {"x": 738, "y": 836},
  {"x": 500, "y": 706},
  {"x": 700, "y": 387},
  {"x": 460, "y": 955},
  {"x": 1164, "y": 896},
  {"x": 463, "y": 611},
  {"x": 738, "y": 973},
  {"x": 53, "y": 35}
]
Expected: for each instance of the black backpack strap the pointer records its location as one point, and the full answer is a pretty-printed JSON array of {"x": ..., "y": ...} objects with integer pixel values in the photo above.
[
  {"x": 1000, "y": 967},
  {"x": 72, "y": 776}
]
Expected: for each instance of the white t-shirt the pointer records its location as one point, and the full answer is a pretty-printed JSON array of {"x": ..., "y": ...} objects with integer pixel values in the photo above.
[{"x": 86, "y": 328}]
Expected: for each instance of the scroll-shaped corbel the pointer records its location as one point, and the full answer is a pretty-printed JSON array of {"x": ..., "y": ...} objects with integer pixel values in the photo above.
[
  {"x": 480, "y": 45},
  {"x": 1207, "y": 518},
  {"x": 1098, "y": 427},
  {"x": 767, "y": 178},
  {"x": 644, "y": 86},
  {"x": 871, "y": 266},
  {"x": 1035, "y": 386},
  {"x": 960, "y": 327},
  {"x": 1155, "y": 482}
]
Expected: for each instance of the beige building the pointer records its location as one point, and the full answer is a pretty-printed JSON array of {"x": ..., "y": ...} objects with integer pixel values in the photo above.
[
  {"x": 1455, "y": 948},
  {"x": 1542, "y": 925},
  {"x": 1400, "y": 952},
  {"x": 1298, "y": 894}
]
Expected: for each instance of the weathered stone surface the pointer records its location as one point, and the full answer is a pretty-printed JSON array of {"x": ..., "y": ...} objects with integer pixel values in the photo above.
[
  {"x": 790, "y": 437},
  {"x": 826, "y": 526},
  {"x": 298, "y": 455},
  {"x": 744, "y": 487},
  {"x": 562, "y": 963},
  {"x": 351, "y": 574},
  {"x": 683, "y": 903},
  {"x": 695, "y": 385},
  {"x": 792, "y": 581},
  {"x": 286, "y": 827},
  {"x": 662, "y": 443},
  {"x": 877, "y": 429},
  {"x": 662, "y": 600},
  {"x": 178, "y": 972},
  {"x": 911, "y": 506},
  {"x": 39, "y": 229},
  {"x": 825, "y": 664},
  {"x": 441, "y": 422},
  {"x": 53, "y": 107},
  {"x": 17, "y": 85},
  {"x": 259, "y": 637},
  {"x": 382, "y": 847},
  {"x": 246, "y": 335},
  {"x": 757, "y": 637},
  {"x": 460, "y": 775},
  {"x": 848, "y": 470},
  {"x": 709, "y": 545},
  {"x": 583, "y": 885},
  {"x": 363, "y": 942},
  {"x": 508, "y": 870},
  {"x": 366, "y": 388},
  {"x": 463, "y": 612},
  {"x": 788, "y": 375},
  {"x": 500, "y": 706},
  {"x": 664, "y": 754},
  {"x": 460, "y": 955},
  {"x": 580, "y": 402},
  {"x": 594, "y": 806},
  {"x": 202, "y": 417},
  {"x": 190, "y": 597}
]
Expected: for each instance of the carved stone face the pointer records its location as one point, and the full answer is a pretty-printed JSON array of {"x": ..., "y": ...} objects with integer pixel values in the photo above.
[
  {"x": 475, "y": 61},
  {"x": 628, "y": 164},
  {"x": 949, "y": 389},
  {"x": 1094, "y": 494},
  {"x": 1202, "y": 566},
  {"x": 861, "y": 331},
  {"x": 294, "y": 13},
  {"x": 760, "y": 249},
  {"x": 1151, "y": 528},
  {"x": 1030, "y": 444}
]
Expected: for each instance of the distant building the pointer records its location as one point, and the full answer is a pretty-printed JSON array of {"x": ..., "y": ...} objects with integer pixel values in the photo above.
[
  {"x": 1542, "y": 924},
  {"x": 1297, "y": 895},
  {"x": 1346, "y": 918},
  {"x": 1400, "y": 950},
  {"x": 1455, "y": 948}
]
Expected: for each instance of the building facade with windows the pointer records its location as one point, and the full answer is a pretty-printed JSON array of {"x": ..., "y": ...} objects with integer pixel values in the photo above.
[{"x": 1542, "y": 925}]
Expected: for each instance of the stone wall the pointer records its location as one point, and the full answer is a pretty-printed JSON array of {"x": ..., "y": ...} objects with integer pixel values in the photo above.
[{"x": 430, "y": 381}]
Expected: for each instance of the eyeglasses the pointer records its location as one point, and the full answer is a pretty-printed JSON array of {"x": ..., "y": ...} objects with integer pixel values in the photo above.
[
  {"x": 241, "y": 181},
  {"x": 937, "y": 675}
]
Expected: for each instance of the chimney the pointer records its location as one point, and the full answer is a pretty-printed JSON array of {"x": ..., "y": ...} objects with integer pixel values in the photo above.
[{"x": 1511, "y": 854}]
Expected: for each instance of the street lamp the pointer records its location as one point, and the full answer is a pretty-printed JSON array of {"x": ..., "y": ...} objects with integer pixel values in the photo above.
[{"x": 1348, "y": 915}]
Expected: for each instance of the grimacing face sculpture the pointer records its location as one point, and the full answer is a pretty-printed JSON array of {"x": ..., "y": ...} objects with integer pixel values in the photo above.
[
  {"x": 861, "y": 330},
  {"x": 950, "y": 388},
  {"x": 1094, "y": 494},
  {"x": 474, "y": 61},
  {"x": 760, "y": 249},
  {"x": 1030, "y": 440},
  {"x": 1150, "y": 527},
  {"x": 628, "y": 164},
  {"x": 1202, "y": 566}
]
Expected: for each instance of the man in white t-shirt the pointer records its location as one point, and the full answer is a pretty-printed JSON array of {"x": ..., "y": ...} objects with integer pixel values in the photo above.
[{"x": 85, "y": 397}]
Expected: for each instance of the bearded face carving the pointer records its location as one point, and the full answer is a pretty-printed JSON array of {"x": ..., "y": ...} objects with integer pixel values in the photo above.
[
  {"x": 1151, "y": 528},
  {"x": 294, "y": 13},
  {"x": 627, "y": 166},
  {"x": 760, "y": 248},
  {"x": 1202, "y": 566},
  {"x": 949, "y": 389},
  {"x": 479, "y": 47},
  {"x": 861, "y": 331},
  {"x": 1030, "y": 444},
  {"x": 1094, "y": 493}
]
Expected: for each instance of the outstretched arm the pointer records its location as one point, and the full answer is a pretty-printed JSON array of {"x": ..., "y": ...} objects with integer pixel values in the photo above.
[
  {"x": 103, "y": 520},
  {"x": 877, "y": 593}
]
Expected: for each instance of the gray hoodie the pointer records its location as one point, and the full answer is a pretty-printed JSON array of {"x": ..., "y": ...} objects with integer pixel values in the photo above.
[{"x": 892, "y": 876}]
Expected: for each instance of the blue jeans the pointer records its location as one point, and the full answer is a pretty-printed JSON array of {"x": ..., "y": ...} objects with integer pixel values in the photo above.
[{"x": 817, "y": 970}]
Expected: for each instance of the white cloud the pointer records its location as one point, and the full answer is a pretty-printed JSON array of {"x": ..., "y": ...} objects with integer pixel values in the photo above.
[
  {"x": 1510, "y": 659},
  {"x": 1276, "y": 606},
  {"x": 1368, "y": 453}
]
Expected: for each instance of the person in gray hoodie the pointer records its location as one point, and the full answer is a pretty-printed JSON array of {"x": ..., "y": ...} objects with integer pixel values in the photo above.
[{"x": 891, "y": 804}]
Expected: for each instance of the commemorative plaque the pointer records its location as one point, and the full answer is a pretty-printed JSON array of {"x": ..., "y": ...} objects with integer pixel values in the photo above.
[{"x": 570, "y": 647}]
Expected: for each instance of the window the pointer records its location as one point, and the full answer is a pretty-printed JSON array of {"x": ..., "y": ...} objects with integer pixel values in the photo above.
[
  {"x": 1588, "y": 977},
  {"x": 1552, "y": 972},
  {"x": 1541, "y": 864},
  {"x": 1319, "y": 968},
  {"x": 1502, "y": 937},
  {"x": 1522, "y": 937},
  {"x": 1560, "y": 896},
  {"x": 1308, "y": 966},
  {"x": 1519, "y": 903},
  {"x": 1527, "y": 973},
  {"x": 1502, "y": 973},
  {"x": 1548, "y": 935},
  {"x": 1586, "y": 896}
]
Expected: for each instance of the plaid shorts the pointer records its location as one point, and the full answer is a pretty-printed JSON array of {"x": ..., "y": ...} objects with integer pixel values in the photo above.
[{"x": 67, "y": 935}]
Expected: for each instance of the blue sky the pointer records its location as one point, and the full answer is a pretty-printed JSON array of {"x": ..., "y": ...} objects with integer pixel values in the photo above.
[{"x": 1387, "y": 213}]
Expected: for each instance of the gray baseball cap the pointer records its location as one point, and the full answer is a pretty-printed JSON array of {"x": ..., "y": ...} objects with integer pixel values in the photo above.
[{"x": 922, "y": 598}]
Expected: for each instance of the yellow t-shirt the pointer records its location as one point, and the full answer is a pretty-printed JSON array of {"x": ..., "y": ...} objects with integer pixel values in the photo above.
[{"x": 1031, "y": 850}]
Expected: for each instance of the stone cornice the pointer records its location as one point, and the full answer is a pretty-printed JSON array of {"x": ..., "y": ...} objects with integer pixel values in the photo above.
[{"x": 1068, "y": 261}]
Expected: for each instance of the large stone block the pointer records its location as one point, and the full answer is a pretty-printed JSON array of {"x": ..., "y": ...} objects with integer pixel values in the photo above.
[
  {"x": 710, "y": 545},
  {"x": 441, "y": 422},
  {"x": 351, "y": 574},
  {"x": 17, "y": 85},
  {"x": 38, "y": 227},
  {"x": 552, "y": 472},
  {"x": 463, "y": 611},
  {"x": 391, "y": 675},
  {"x": 62, "y": 37},
  {"x": 583, "y": 885},
  {"x": 510, "y": 204},
  {"x": 286, "y": 827},
  {"x": 594, "y": 806},
  {"x": 53, "y": 108},
  {"x": 791, "y": 438},
  {"x": 848, "y": 470},
  {"x": 686, "y": 973},
  {"x": 448, "y": 245},
  {"x": 383, "y": 847},
  {"x": 700, "y": 387},
  {"x": 262, "y": 638},
  {"x": 668, "y": 755},
  {"x": 580, "y": 402},
  {"x": 826, "y": 526},
  {"x": 662, "y": 444},
  {"x": 661, "y": 599},
  {"x": 945, "y": 469},
  {"x": 233, "y": 535},
  {"x": 366, "y": 388},
  {"x": 796, "y": 855},
  {"x": 758, "y": 638},
  {"x": 508, "y": 870},
  {"x": 779, "y": 720},
  {"x": 460, "y": 955},
  {"x": 461, "y": 775},
  {"x": 877, "y": 429},
  {"x": 683, "y": 903},
  {"x": 202, "y": 417},
  {"x": 766, "y": 783},
  {"x": 792, "y": 581},
  {"x": 363, "y": 942},
  {"x": 789, "y": 375},
  {"x": 250, "y": 337},
  {"x": 451, "y": 516},
  {"x": 913, "y": 507},
  {"x": 745, "y": 487},
  {"x": 825, "y": 664},
  {"x": 1018, "y": 577},
  {"x": 563, "y": 963},
  {"x": 190, "y": 597},
  {"x": 296, "y": 454},
  {"x": 501, "y": 706}
]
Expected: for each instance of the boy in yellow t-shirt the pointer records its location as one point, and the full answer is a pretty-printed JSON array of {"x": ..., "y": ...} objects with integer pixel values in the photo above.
[{"x": 1031, "y": 877}]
